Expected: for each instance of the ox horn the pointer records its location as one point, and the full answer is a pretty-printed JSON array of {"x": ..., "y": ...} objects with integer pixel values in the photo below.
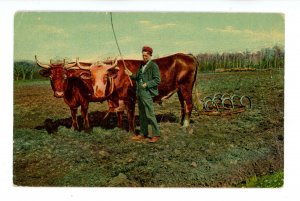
[
  {"x": 114, "y": 65},
  {"x": 40, "y": 64},
  {"x": 82, "y": 67},
  {"x": 70, "y": 65}
]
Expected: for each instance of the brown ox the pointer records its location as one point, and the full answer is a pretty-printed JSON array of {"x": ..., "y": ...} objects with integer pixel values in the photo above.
[
  {"x": 178, "y": 74},
  {"x": 72, "y": 84}
]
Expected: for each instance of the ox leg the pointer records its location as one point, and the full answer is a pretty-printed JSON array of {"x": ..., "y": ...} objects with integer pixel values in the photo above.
[
  {"x": 120, "y": 119},
  {"x": 181, "y": 100},
  {"x": 74, "y": 118},
  {"x": 85, "y": 117},
  {"x": 120, "y": 111},
  {"x": 188, "y": 105},
  {"x": 130, "y": 115}
]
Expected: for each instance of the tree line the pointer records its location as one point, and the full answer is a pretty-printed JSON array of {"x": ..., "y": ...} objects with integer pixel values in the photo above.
[
  {"x": 266, "y": 58},
  {"x": 25, "y": 70}
]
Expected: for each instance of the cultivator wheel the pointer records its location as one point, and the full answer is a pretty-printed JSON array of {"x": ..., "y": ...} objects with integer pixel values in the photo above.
[
  {"x": 225, "y": 104},
  {"x": 211, "y": 106},
  {"x": 225, "y": 95},
  {"x": 235, "y": 99},
  {"x": 246, "y": 101},
  {"x": 217, "y": 95},
  {"x": 206, "y": 98}
]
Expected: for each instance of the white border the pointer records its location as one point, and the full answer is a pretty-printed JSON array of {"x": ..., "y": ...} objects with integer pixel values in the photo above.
[{"x": 289, "y": 192}]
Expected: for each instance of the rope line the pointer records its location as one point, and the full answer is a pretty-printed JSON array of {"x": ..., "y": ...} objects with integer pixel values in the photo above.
[{"x": 113, "y": 29}]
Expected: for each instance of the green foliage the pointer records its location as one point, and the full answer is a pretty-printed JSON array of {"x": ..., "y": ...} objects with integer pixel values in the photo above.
[
  {"x": 25, "y": 70},
  {"x": 274, "y": 180}
]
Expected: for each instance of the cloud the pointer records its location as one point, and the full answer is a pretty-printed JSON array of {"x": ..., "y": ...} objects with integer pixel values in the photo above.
[
  {"x": 184, "y": 43},
  {"x": 163, "y": 26},
  {"x": 50, "y": 29},
  {"x": 126, "y": 39},
  {"x": 94, "y": 27},
  {"x": 257, "y": 35},
  {"x": 144, "y": 22},
  {"x": 228, "y": 29},
  {"x": 89, "y": 27},
  {"x": 153, "y": 26}
]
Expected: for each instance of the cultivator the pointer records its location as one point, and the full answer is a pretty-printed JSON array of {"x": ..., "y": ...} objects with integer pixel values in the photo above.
[{"x": 225, "y": 104}]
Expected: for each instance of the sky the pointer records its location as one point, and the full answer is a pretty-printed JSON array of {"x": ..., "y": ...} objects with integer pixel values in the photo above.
[{"x": 89, "y": 36}]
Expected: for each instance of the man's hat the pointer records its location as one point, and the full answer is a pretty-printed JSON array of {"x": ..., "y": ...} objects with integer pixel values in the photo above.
[{"x": 147, "y": 49}]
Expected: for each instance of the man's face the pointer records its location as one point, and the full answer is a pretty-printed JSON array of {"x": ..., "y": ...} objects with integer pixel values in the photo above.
[{"x": 146, "y": 56}]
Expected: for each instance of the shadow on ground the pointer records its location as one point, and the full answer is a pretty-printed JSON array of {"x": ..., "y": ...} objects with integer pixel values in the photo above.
[{"x": 97, "y": 119}]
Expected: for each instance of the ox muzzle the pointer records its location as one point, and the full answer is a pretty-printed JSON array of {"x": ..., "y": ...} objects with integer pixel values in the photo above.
[{"x": 59, "y": 94}]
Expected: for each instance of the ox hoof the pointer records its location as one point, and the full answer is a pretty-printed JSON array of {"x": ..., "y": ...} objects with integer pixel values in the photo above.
[
  {"x": 75, "y": 129},
  {"x": 184, "y": 128}
]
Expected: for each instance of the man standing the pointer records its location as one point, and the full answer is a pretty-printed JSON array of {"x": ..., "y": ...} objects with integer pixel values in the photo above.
[{"x": 147, "y": 79}]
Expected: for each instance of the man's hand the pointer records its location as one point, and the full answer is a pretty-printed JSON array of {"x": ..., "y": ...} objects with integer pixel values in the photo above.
[
  {"x": 128, "y": 72},
  {"x": 144, "y": 85}
]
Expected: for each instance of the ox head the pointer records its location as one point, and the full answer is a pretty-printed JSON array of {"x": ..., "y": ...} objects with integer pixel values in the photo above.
[
  {"x": 57, "y": 72},
  {"x": 102, "y": 76}
]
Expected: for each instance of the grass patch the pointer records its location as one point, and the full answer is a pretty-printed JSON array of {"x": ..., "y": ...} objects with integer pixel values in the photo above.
[{"x": 274, "y": 180}]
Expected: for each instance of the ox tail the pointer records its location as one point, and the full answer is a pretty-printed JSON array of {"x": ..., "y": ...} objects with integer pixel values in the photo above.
[{"x": 197, "y": 103}]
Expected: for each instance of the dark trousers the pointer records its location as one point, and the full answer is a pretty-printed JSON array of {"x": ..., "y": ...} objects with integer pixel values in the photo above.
[{"x": 146, "y": 112}]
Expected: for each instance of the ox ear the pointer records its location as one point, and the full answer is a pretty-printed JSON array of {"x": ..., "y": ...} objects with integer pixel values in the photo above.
[{"x": 45, "y": 72}]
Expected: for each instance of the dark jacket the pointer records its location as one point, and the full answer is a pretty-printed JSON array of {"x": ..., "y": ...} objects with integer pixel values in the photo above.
[{"x": 151, "y": 76}]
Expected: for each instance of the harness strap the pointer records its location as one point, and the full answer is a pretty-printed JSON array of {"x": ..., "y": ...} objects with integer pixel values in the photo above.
[{"x": 112, "y": 86}]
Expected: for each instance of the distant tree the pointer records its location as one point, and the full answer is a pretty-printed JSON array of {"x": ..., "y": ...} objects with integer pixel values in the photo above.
[
  {"x": 224, "y": 58},
  {"x": 247, "y": 60},
  {"x": 278, "y": 57},
  {"x": 26, "y": 68},
  {"x": 258, "y": 59},
  {"x": 17, "y": 71},
  {"x": 23, "y": 69},
  {"x": 268, "y": 55},
  {"x": 32, "y": 71}
]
